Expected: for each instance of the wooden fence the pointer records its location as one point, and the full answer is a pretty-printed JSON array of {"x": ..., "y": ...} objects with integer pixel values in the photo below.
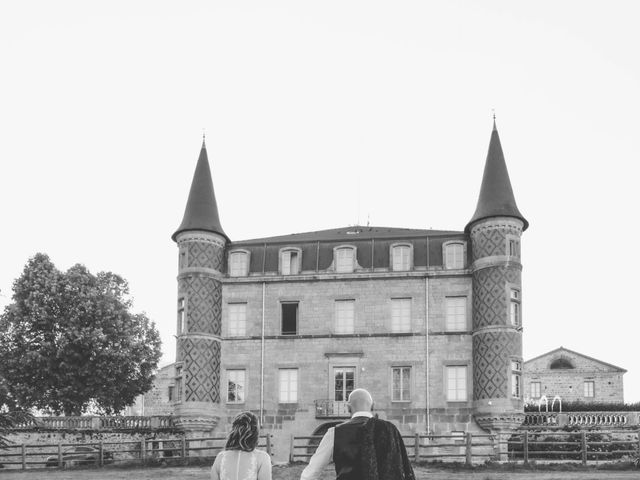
[
  {"x": 580, "y": 446},
  {"x": 100, "y": 453},
  {"x": 549, "y": 446},
  {"x": 462, "y": 448}
]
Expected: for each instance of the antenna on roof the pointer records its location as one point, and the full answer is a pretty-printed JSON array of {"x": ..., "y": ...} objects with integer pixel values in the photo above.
[{"x": 368, "y": 215}]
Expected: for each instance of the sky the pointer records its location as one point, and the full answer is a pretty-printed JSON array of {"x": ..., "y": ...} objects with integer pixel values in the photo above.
[{"x": 326, "y": 114}]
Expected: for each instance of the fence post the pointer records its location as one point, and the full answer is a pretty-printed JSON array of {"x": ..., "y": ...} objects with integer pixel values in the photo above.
[
  {"x": 143, "y": 448},
  {"x": 584, "y": 447},
  {"x": 416, "y": 448},
  {"x": 59, "y": 454},
  {"x": 525, "y": 447},
  {"x": 100, "y": 454},
  {"x": 291, "y": 455},
  {"x": 24, "y": 457},
  {"x": 268, "y": 446},
  {"x": 468, "y": 459}
]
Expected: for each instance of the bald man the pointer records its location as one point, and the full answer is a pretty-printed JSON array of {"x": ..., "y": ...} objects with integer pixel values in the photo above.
[{"x": 352, "y": 446}]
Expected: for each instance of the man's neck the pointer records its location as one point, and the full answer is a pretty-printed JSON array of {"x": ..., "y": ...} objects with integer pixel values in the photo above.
[{"x": 362, "y": 413}]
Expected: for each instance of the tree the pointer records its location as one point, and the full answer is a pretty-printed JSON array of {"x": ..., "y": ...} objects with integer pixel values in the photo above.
[
  {"x": 9, "y": 420},
  {"x": 69, "y": 339}
]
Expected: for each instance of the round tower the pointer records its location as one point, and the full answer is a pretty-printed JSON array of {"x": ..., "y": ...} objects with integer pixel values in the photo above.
[
  {"x": 201, "y": 252},
  {"x": 495, "y": 230}
]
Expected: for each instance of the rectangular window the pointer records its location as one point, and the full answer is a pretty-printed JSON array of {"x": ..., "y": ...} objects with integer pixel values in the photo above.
[
  {"x": 343, "y": 383},
  {"x": 401, "y": 384},
  {"x": 178, "y": 383},
  {"x": 170, "y": 393},
  {"x": 514, "y": 308},
  {"x": 534, "y": 390},
  {"x": 345, "y": 316},
  {"x": 400, "y": 315},
  {"x": 235, "y": 386},
  {"x": 180, "y": 316},
  {"x": 401, "y": 258},
  {"x": 237, "y": 319},
  {"x": 288, "y": 385},
  {"x": 238, "y": 264},
  {"x": 589, "y": 389},
  {"x": 456, "y": 311},
  {"x": 182, "y": 263},
  {"x": 289, "y": 318},
  {"x": 454, "y": 256},
  {"x": 514, "y": 248},
  {"x": 456, "y": 383},
  {"x": 344, "y": 260},
  {"x": 516, "y": 378},
  {"x": 290, "y": 263}
]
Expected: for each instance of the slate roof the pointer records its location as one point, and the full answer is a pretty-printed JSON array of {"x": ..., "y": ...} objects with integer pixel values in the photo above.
[
  {"x": 496, "y": 195},
  {"x": 201, "y": 212},
  {"x": 350, "y": 234},
  {"x": 562, "y": 349}
]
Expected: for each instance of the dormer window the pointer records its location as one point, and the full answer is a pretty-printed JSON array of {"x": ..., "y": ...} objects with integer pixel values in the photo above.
[
  {"x": 238, "y": 264},
  {"x": 400, "y": 258},
  {"x": 345, "y": 259},
  {"x": 454, "y": 253},
  {"x": 290, "y": 260}
]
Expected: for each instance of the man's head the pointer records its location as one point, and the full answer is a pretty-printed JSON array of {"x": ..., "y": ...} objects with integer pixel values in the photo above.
[{"x": 360, "y": 401}]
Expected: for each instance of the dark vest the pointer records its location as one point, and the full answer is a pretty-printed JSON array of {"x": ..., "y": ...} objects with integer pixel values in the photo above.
[{"x": 346, "y": 448}]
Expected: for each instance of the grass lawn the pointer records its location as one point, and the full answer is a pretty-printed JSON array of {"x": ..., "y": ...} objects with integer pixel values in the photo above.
[{"x": 293, "y": 473}]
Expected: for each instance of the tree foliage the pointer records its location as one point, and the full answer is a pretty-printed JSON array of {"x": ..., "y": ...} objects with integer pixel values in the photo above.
[{"x": 69, "y": 339}]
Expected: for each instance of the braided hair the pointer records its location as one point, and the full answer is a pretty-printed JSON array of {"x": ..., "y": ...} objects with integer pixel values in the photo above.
[{"x": 244, "y": 433}]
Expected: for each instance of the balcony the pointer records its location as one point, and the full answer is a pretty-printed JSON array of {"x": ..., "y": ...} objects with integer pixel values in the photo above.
[{"x": 331, "y": 409}]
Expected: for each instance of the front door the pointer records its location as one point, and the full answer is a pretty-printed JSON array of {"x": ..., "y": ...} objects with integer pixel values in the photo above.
[{"x": 344, "y": 379}]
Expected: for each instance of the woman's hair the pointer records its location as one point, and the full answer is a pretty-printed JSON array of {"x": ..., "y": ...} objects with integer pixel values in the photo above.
[{"x": 244, "y": 433}]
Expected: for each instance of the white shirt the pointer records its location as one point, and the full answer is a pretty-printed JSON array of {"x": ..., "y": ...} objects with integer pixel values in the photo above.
[
  {"x": 324, "y": 453},
  {"x": 241, "y": 465}
]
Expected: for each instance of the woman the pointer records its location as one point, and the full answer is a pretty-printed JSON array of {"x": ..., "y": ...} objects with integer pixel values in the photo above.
[{"x": 240, "y": 460}]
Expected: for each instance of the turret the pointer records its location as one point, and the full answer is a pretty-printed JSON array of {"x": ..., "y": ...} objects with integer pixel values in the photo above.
[
  {"x": 201, "y": 244},
  {"x": 495, "y": 230}
]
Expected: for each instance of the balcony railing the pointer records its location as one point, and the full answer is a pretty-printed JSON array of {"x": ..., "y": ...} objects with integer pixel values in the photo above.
[
  {"x": 581, "y": 419},
  {"x": 331, "y": 409}
]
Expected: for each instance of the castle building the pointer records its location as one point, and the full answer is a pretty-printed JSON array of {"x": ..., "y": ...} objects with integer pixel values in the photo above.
[
  {"x": 573, "y": 377},
  {"x": 429, "y": 321}
]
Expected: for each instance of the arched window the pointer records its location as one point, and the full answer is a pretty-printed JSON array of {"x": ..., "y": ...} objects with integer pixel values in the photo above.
[
  {"x": 290, "y": 261},
  {"x": 454, "y": 253},
  {"x": 561, "y": 364},
  {"x": 400, "y": 258},
  {"x": 239, "y": 263},
  {"x": 344, "y": 258}
]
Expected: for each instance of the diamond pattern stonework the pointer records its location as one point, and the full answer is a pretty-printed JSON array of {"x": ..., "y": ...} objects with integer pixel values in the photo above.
[
  {"x": 204, "y": 254},
  {"x": 492, "y": 241},
  {"x": 201, "y": 369},
  {"x": 492, "y": 353},
  {"x": 203, "y": 295},
  {"x": 490, "y": 295}
]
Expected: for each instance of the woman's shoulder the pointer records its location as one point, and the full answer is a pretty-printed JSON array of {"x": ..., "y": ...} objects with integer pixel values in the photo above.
[{"x": 261, "y": 454}]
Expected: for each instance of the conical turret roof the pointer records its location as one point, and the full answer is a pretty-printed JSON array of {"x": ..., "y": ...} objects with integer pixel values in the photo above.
[
  {"x": 496, "y": 195},
  {"x": 201, "y": 212}
]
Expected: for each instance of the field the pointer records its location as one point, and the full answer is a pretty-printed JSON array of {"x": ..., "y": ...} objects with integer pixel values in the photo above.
[{"x": 293, "y": 473}]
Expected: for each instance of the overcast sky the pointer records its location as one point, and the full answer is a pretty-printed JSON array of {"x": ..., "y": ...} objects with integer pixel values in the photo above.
[{"x": 324, "y": 114}]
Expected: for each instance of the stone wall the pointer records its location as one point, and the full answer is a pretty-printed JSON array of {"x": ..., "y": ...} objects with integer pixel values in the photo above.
[{"x": 568, "y": 383}]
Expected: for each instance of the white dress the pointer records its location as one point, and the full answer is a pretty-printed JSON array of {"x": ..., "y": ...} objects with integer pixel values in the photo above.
[{"x": 241, "y": 465}]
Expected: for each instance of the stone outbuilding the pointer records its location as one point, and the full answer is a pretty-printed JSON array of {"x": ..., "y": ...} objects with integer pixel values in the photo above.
[{"x": 573, "y": 377}]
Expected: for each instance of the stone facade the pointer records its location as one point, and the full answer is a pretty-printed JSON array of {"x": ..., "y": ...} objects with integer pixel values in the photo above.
[
  {"x": 287, "y": 326},
  {"x": 573, "y": 377}
]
